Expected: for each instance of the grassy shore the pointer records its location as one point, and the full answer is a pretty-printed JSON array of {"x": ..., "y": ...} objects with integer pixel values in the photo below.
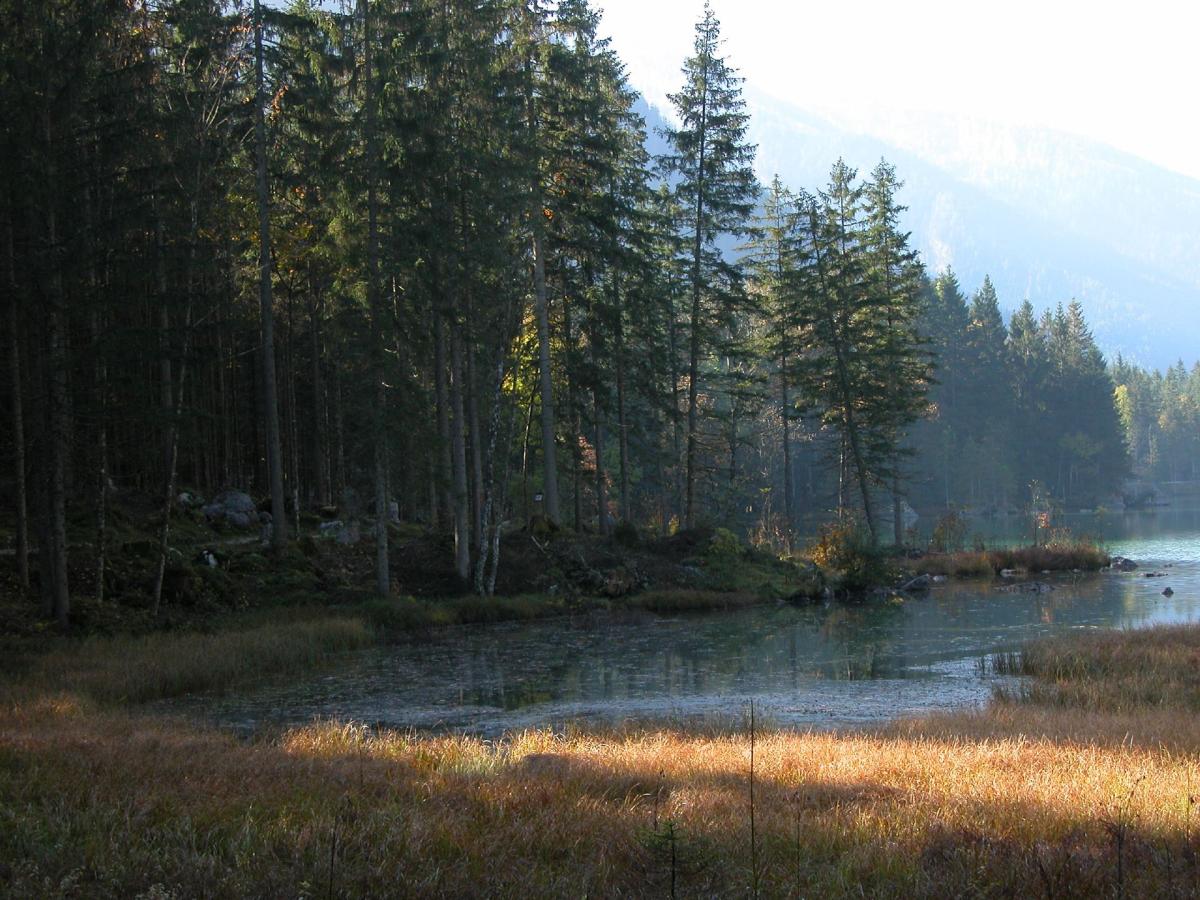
[
  {"x": 1069, "y": 556},
  {"x": 1083, "y": 785}
]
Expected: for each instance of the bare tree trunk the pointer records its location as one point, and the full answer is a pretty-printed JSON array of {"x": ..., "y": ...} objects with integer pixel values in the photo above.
[
  {"x": 59, "y": 427},
  {"x": 542, "y": 311},
  {"x": 576, "y": 429},
  {"x": 788, "y": 490},
  {"x": 622, "y": 422},
  {"x": 442, "y": 395},
  {"x": 101, "y": 375},
  {"x": 601, "y": 486},
  {"x": 477, "y": 487},
  {"x": 320, "y": 451},
  {"x": 383, "y": 581},
  {"x": 458, "y": 443},
  {"x": 18, "y": 416},
  {"x": 172, "y": 460},
  {"x": 279, "y": 523},
  {"x": 693, "y": 421},
  {"x": 676, "y": 433}
]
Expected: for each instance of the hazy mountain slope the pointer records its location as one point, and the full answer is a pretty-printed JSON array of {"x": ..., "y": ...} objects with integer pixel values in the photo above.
[{"x": 1048, "y": 216}]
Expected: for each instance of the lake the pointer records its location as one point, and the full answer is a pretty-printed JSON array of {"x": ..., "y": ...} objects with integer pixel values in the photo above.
[{"x": 823, "y": 667}]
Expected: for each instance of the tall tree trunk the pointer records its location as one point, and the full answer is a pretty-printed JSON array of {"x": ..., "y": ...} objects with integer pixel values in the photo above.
[
  {"x": 897, "y": 513},
  {"x": 319, "y": 449},
  {"x": 279, "y": 523},
  {"x": 601, "y": 485},
  {"x": 693, "y": 419},
  {"x": 542, "y": 312},
  {"x": 458, "y": 442},
  {"x": 166, "y": 391},
  {"x": 383, "y": 581},
  {"x": 622, "y": 422},
  {"x": 789, "y": 512},
  {"x": 477, "y": 486},
  {"x": 576, "y": 430},
  {"x": 18, "y": 415},
  {"x": 441, "y": 365},
  {"x": 676, "y": 430},
  {"x": 56, "y": 325}
]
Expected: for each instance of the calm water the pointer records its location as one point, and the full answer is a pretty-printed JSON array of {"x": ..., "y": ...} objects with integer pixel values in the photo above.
[{"x": 821, "y": 667}]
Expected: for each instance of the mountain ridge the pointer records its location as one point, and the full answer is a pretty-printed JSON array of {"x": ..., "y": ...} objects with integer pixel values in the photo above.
[{"x": 1048, "y": 216}]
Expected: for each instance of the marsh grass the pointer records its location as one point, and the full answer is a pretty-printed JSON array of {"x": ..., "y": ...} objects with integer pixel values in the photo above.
[
  {"x": 111, "y": 805},
  {"x": 126, "y": 669},
  {"x": 1066, "y": 555},
  {"x": 1113, "y": 671}
]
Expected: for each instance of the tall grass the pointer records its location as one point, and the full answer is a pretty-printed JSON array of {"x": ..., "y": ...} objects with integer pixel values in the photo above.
[
  {"x": 1063, "y": 556},
  {"x": 156, "y": 666},
  {"x": 109, "y": 806},
  {"x": 1115, "y": 671}
]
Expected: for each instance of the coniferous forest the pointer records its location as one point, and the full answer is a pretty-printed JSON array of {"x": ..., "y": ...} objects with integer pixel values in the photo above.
[{"x": 414, "y": 257}]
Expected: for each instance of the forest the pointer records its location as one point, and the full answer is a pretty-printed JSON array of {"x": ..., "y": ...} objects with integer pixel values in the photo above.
[{"x": 410, "y": 260}]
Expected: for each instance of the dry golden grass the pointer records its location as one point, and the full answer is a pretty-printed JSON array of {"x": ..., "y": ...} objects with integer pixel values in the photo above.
[
  {"x": 1063, "y": 556},
  {"x": 1022, "y": 799},
  {"x": 1116, "y": 671},
  {"x": 112, "y": 805}
]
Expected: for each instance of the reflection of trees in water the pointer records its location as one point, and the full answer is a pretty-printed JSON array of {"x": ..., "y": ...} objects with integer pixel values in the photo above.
[{"x": 766, "y": 649}]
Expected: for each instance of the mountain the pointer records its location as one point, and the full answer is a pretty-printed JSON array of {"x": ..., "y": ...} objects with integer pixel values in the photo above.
[{"x": 1048, "y": 216}]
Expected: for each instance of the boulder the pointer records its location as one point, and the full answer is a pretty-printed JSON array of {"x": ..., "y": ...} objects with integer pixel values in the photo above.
[
  {"x": 1027, "y": 587},
  {"x": 917, "y": 585},
  {"x": 1121, "y": 564},
  {"x": 342, "y": 532},
  {"x": 1167, "y": 592},
  {"x": 234, "y": 508}
]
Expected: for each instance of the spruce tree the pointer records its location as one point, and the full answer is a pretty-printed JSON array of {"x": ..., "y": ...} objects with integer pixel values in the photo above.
[{"x": 710, "y": 164}]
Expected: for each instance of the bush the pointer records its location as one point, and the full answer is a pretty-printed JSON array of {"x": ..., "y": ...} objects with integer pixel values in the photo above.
[
  {"x": 848, "y": 551},
  {"x": 724, "y": 543},
  {"x": 949, "y": 532}
]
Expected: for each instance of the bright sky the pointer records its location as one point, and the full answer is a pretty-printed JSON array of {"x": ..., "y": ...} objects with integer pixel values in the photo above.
[{"x": 1126, "y": 74}]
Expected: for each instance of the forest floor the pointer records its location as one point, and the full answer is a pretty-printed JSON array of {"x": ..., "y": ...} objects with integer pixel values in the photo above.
[{"x": 1080, "y": 782}]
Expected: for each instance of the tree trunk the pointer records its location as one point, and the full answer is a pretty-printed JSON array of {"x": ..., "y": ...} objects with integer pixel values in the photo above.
[
  {"x": 676, "y": 432},
  {"x": 542, "y": 311},
  {"x": 622, "y": 422},
  {"x": 897, "y": 513},
  {"x": 172, "y": 464},
  {"x": 279, "y": 523},
  {"x": 59, "y": 429},
  {"x": 789, "y": 512},
  {"x": 601, "y": 484},
  {"x": 383, "y": 581},
  {"x": 693, "y": 421},
  {"x": 18, "y": 417},
  {"x": 442, "y": 396},
  {"x": 319, "y": 449},
  {"x": 477, "y": 486},
  {"x": 458, "y": 443}
]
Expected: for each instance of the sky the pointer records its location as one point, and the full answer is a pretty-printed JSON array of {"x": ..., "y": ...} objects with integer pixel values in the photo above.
[{"x": 1127, "y": 74}]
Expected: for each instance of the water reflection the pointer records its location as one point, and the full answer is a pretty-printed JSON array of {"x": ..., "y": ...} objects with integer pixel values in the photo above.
[{"x": 808, "y": 667}]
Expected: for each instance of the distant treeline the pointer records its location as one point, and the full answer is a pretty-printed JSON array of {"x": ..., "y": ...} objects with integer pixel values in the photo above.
[{"x": 415, "y": 253}]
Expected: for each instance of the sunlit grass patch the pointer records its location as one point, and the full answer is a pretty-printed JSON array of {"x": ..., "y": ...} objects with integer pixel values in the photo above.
[{"x": 1118, "y": 671}]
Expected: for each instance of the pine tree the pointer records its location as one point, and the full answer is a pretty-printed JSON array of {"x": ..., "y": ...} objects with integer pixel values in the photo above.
[{"x": 715, "y": 188}]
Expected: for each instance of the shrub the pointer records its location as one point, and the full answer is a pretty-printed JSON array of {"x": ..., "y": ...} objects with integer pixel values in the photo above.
[
  {"x": 849, "y": 552},
  {"x": 724, "y": 543},
  {"x": 949, "y": 532}
]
